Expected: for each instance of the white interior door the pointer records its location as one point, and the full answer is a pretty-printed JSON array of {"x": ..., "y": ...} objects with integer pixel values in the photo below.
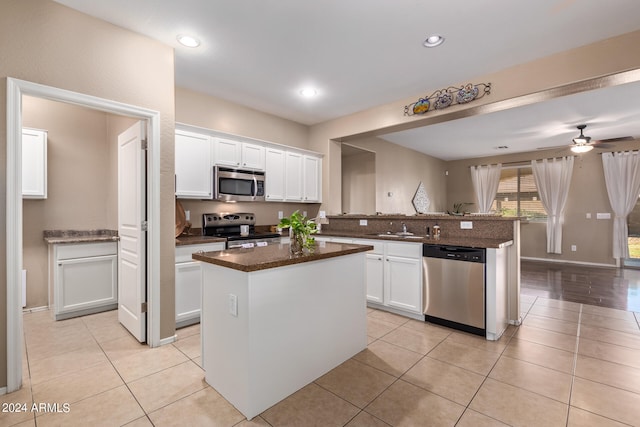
[{"x": 131, "y": 216}]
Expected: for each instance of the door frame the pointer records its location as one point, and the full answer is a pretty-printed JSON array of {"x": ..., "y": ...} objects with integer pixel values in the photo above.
[{"x": 15, "y": 90}]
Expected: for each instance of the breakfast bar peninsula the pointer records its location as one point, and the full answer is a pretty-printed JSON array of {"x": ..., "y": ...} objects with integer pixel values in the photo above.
[{"x": 273, "y": 322}]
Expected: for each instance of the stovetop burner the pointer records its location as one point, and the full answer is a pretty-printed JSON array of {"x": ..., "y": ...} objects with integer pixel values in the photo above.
[{"x": 228, "y": 225}]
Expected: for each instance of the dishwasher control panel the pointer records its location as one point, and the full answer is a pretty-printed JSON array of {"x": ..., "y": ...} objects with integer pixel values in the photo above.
[{"x": 457, "y": 253}]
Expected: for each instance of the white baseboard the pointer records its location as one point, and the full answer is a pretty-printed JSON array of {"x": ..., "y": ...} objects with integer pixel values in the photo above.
[
  {"x": 168, "y": 340},
  {"x": 35, "y": 309},
  {"x": 562, "y": 261}
]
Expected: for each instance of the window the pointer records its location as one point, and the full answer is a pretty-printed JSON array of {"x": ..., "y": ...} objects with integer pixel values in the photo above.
[{"x": 517, "y": 194}]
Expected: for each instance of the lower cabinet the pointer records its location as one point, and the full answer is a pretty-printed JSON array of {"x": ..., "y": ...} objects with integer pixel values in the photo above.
[
  {"x": 83, "y": 278},
  {"x": 189, "y": 282},
  {"x": 394, "y": 275}
]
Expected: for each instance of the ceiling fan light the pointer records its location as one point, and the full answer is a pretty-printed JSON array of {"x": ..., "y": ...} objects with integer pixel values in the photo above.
[
  {"x": 581, "y": 140},
  {"x": 581, "y": 148}
]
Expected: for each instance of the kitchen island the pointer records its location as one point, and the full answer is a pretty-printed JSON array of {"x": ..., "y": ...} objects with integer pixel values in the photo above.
[{"x": 272, "y": 322}]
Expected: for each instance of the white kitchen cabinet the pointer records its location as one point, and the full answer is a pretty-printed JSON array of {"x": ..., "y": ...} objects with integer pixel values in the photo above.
[
  {"x": 188, "y": 282},
  {"x": 34, "y": 164},
  {"x": 275, "y": 174},
  {"x": 238, "y": 155},
  {"x": 253, "y": 156},
  {"x": 293, "y": 186},
  {"x": 302, "y": 177},
  {"x": 394, "y": 275},
  {"x": 311, "y": 167},
  {"x": 83, "y": 278},
  {"x": 193, "y": 165}
]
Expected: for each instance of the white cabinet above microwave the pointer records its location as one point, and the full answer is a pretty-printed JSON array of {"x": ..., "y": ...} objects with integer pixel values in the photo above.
[{"x": 237, "y": 154}]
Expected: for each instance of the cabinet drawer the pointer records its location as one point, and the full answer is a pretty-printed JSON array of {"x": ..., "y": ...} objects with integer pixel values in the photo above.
[
  {"x": 378, "y": 245},
  {"x": 183, "y": 253},
  {"x": 409, "y": 250},
  {"x": 85, "y": 250}
]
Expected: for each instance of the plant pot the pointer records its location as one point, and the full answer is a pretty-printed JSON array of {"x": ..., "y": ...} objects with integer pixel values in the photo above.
[{"x": 297, "y": 243}]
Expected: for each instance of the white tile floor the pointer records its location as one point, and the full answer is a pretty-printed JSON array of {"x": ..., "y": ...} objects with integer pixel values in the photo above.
[{"x": 568, "y": 365}]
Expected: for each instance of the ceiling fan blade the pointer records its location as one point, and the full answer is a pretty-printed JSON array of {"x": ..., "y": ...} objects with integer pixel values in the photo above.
[
  {"x": 554, "y": 147},
  {"x": 619, "y": 139}
]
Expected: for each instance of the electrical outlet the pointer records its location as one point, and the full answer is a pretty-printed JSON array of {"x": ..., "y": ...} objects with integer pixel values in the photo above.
[
  {"x": 574, "y": 248},
  {"x": 187, "y": 215},
  {"x": 322, "y": 214},
  {"x": 280, "y": 214},
  {"x": 466, "y": 225},
  {"x": 304, "y": 214},
  {"x": 233, "y": 305},
  {"x": 588, "y": 215},
  {"x": 601, "y": 215},
  {"x": 363, "y": 222}
]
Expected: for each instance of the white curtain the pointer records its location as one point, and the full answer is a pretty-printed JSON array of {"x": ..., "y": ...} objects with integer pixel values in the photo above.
[
  {"x": 622, "y": 177},
  {"x": 485, "y": 181},
  {"x": 553, "y": 177}
]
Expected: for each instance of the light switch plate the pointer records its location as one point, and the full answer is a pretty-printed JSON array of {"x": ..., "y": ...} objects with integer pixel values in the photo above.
[
  {"x": 280, "y": 215},
  {"x": 588, "y": 215},
  {"x": 233, "y": 305},
  {"x": 601, "y": 215},
  {"x": 187, "y": 215},
  {"x": 322, "y": 214},
  {"x": 363, "y": 222},
  {"x": 466, "y": 225}
]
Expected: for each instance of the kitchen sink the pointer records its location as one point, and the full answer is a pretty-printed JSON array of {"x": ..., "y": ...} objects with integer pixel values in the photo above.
[{"x": 404, "y": 235}]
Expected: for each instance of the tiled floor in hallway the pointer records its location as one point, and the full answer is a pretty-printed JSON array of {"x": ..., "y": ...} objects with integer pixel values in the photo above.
[{"x": 568, "y": 364}]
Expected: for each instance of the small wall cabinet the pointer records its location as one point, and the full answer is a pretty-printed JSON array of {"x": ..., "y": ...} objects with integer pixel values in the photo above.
[
  {"x": 83, "y": 278},
  {"x": 189, "y": 282},
  {"x": 238, "y": 154},
  {"x": 34, "y": 164}
]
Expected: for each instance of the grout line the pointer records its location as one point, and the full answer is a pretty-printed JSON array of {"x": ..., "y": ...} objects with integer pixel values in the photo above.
[{"x": 575, "y": 361}]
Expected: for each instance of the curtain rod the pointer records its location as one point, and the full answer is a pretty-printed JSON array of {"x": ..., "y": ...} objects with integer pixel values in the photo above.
[{"x": 521, "y": 162}]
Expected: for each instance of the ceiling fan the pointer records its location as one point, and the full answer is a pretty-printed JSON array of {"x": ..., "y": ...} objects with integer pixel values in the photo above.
[{"x": 583, "y": 143}]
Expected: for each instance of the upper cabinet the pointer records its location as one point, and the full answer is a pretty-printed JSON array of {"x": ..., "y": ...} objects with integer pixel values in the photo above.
[
  {"x": 274, "y": 166},
  {"x": 291, "y": 175},
  {"x": 194, "y": 170},
  {"x": 34, "y": 164},
  {"x": 238, "y": 155},
  {"x": 311, "y": 168}
]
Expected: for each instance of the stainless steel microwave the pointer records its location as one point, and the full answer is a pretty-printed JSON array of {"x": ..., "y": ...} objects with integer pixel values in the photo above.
[{"x": 236, "y": 185}]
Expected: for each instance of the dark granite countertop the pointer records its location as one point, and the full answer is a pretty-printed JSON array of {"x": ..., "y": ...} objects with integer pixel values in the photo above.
[
  {"x": 470, "y": 242},
  {"x": 273, "y": 256},
  {"x": 197, "y": 239},
  {"x": 80, "y": 236}
]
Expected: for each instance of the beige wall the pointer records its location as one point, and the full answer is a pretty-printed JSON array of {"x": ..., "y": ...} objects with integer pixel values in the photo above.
[
  {"x": 399, "y": 171},
  {"x": 359, "y": 182},
  {"x": 40, "y": 42},
  {"x": 80, "y": 144},
  {"x": 208, "y": 112},
  {"x": 587, "y": 194}
]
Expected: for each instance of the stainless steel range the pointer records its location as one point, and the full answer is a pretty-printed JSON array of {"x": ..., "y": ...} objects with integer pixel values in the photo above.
[{"x": 237, "y": 228}]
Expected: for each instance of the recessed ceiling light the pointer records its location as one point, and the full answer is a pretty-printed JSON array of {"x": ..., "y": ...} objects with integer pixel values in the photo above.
[
  {"x": 433, "y": 40},
  {"x": 308, "y": 92},
  {"x": 188, "y": 41}
]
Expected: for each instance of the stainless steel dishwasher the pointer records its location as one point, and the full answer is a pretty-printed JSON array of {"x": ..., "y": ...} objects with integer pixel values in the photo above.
[{"x": 454, "y": 287}]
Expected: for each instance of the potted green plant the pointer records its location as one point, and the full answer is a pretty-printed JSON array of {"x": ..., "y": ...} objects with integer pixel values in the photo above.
[
  {"x": 300, "y": 230},
  {"x": 458, "y": 208}
]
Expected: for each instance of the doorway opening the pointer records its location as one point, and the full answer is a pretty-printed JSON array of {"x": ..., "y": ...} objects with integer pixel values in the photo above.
[
  {"x": 633, "y": 239},
  {"x": 16, "y": 89},
  {"x": 358, "y": 180}
]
